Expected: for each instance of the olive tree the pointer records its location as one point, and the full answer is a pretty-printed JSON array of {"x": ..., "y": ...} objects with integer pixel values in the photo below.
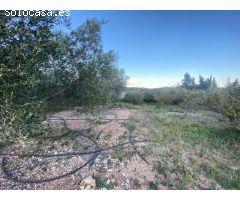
[
  {"x": 37, "y": 62},
  {"x": 93, "y": 77},
  {"x": 26, "y": 44}
]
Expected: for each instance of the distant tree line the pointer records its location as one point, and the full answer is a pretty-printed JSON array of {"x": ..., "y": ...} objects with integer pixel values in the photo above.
[{"x": 189, "y": 82}]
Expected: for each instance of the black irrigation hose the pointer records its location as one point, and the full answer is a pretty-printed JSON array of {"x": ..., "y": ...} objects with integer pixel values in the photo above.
[
  {"x": 90, "y": 161},
  {"x": 71, "y": 153},
  {"x": 10, "y": 176},
  {"x": 56, "y": 118},
  {"x": 98, "y": 136},
  {"x": 135, "y": 148},
  {"x": 81, "y": 134},
  {"x": 32, "y": 181}
]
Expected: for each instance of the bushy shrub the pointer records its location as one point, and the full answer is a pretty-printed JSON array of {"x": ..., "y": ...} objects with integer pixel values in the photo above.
[
  {"x": 170, "y": 98},
  {"x": 134, "y": 98},
  {"x": 195, "y": 100},
  {"x": 149, "y": 98},
  {"x": 232, "y": 106},
  {"x": 226, "y": 102},
  {"x": 231, "y": 110},
  {"x": 162, "y": 99},
  {"x": 215, "y": 101},
  {"x": 177, "y": 99}
]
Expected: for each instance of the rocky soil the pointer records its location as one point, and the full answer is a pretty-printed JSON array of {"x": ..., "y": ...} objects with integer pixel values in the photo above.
[{"x": 116, "y": 168}]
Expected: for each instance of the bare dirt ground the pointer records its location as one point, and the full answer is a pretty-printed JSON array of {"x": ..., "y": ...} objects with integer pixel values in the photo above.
[{"x": 117, "y": 168}]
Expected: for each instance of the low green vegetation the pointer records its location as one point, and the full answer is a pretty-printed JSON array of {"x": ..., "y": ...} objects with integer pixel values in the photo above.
[
  {"x": 134, "y": 98},
  {"x": 102, "y": 183},
  {"x": 130, "y": 125},
  {"x": 153, "y": 185},
  {"x": 192, "y": 150},
  {"x": 204, "y": 96},
  {"x": 194, "y": 133}
]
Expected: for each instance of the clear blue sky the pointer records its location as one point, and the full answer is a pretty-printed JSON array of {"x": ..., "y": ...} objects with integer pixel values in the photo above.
[{"x": 157, "y": 47}]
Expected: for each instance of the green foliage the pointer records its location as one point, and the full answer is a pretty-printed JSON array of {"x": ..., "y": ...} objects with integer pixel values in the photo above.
[
  {"x": 89, "y": 74},
  {"x": 102, "y": 183},
  {"x": 134, "y": 98},
  {"x": 213, "y": 101},
  {"x": 232, "y": 106},
  {"x": 172, "y": 97},
  {"x": 227, "y": 103},
  {"x": 26, "y": 45},
  {"x": 207, "y": 84},
  {"x": 168, "y": 129},
  {"x": 153, "y": 185},
  {"x": 149, "y": 98},
  {"x": 130, "y": 125},
  {"x": 175, "y": 139},
  {"x": 231, "y": 109},
  {"x": 161, "y": 167},
  {"x": 37, "y": 62},
  {"x": 224, "y": 175},
  {"x": 194, "y": 100},
  {"x": 23, "y": 121},
  {"x": 188, "y": 82}
]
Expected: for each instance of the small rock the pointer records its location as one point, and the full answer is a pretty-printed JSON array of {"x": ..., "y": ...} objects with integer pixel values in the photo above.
[
  {"x": 113, "y": 180},
  {"x": 105, "y": 162},
  {"x": 88, "y": 183}
]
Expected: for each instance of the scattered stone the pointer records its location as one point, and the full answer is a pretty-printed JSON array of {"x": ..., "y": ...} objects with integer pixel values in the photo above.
[
  {"x": 113, "y": 180},
  {"x": 105, "y": 161},
  {"x": 88, "y": 183}
]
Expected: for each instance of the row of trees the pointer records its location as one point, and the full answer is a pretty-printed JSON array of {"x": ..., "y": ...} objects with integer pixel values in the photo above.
[
  {"x": 37, "y": 62},
  {"x": 210, "y": 83},
  {"x": 188, "y": 82}
]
